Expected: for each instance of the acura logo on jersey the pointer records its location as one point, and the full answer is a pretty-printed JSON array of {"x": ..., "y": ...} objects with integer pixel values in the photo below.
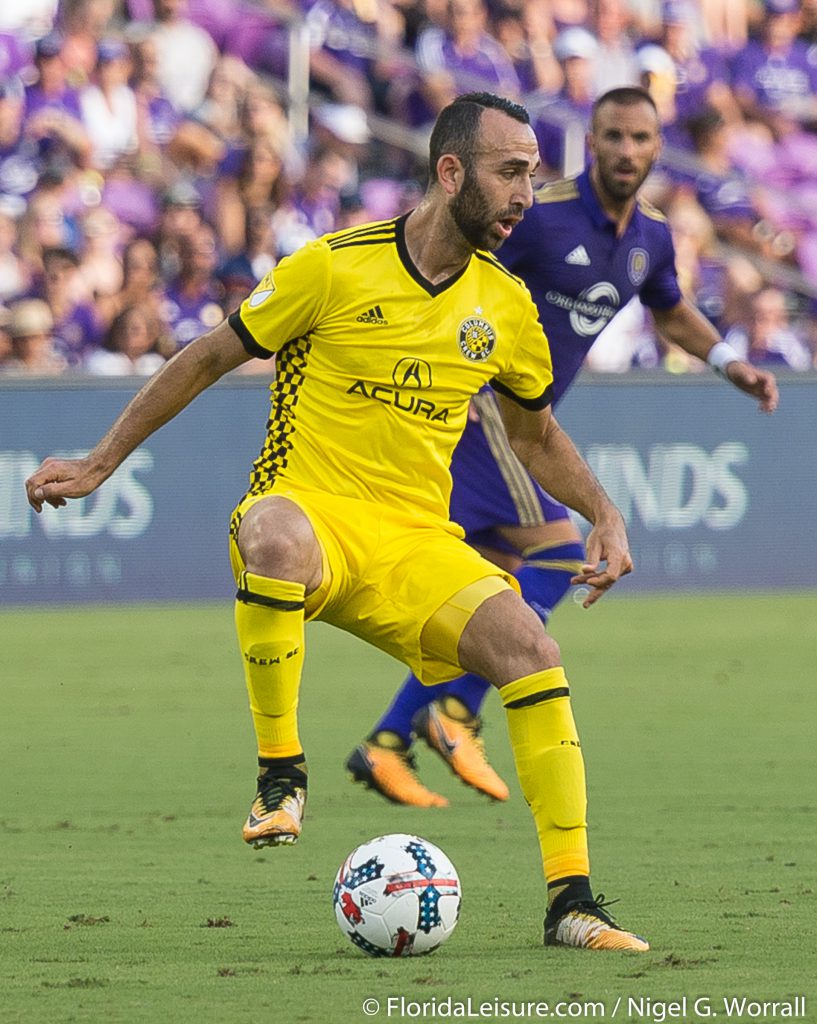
[
  {"x": 476, "y": 338},
  {"x": 409, "y": 403},
  {"x": 411, "y": 373}
]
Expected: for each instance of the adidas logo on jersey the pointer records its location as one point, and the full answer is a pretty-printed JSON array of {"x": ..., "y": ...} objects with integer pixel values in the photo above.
[
  {"x": 578, "y": 257},
  {"x": 373, "y": 316}
]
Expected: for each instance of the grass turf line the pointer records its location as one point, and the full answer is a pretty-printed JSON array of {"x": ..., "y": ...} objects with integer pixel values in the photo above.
[{"x": 126, "y": 754}]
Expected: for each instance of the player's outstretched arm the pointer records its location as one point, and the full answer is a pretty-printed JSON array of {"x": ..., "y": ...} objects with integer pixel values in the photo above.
[
  {"x": 178, "y": 382},
  {"x": 687, "y": 327},
  {"x": 552, "y": 459}
]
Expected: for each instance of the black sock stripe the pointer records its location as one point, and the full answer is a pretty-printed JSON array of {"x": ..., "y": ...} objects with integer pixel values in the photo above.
[
  {"x": 249, "y": 597},
  {"x": 539, "y": 698},
  {"x": 281, "y": 762}
]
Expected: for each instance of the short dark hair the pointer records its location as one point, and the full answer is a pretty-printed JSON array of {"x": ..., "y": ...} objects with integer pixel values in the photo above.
[
  {"x": 457, "y": 127},
  {"x": 624, "y": 96}
]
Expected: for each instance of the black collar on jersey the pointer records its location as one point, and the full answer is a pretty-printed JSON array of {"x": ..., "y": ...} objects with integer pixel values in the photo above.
[{"x": 408, "y": 263}]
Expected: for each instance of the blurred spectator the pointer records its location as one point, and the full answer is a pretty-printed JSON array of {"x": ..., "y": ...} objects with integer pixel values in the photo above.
[
  {"x": 83, "y": 24},
  {"x": 526, "y": 34},
  {"x": 242, "y": 272},
  {"x": 726, "y": 23},
  {"x": 658, "y": 76},
  {"x": 14, "y": 275},
  {"x": 20, "y": 162},
  {"x": 343, "y": 38},
  {"x": 560, "y": 123},
  {"x": 101, "y": 264},
  {"x": 775, "y": 77},
  {"x": 768, "y": 338},
  {"x": 43, "y": 226},
  {"x": 220, "y": 111},
  {"x": 702, "y": 71},
  {"x": 76, "y": 326},
  {"x": 185, "y": 53},
  {"x": 719, "y": 289},
  {"x": 461, "y": 57},
  {"x": 263, "y": 117},
  {"x": 615, "y": 61},
  {"x": 314, "y": 204},
  {"x": 260, "y": 182},
  {"x": 12, "y": 107},
  {"x": 131, "y": 346},
  {"x": 158, "y": 118},
  {"x": 721, "y": 189},
  {"x": 32, "y": 343},
  {"x": 132, "y": 200},
  {"x": 192, "y": 303},
  {"x": 52, "y": 111},
  {"x": 108, "y": 106},
  {"x": 180, "y": 218},
  {"x": 141, "y": 284}
]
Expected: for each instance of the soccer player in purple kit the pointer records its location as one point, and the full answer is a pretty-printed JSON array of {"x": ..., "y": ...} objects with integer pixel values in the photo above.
[{"x": 587, "y": 246}]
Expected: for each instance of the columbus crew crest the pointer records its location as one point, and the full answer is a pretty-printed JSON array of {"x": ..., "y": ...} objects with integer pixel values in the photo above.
[{"x": 476, "y": 338}]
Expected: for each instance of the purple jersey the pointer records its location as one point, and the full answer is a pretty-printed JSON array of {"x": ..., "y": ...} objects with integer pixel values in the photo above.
[
  {"x": 775, "y": 79},
  {"x": 188, "y": 315},
  {"x": 66, "y": 102},
  {"x": 77, "y": 334},
  {"x": 579, "y": 275},
  {"x": 696, "y": 75}
]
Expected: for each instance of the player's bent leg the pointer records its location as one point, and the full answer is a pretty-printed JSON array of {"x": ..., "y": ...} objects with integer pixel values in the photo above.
[
  {"x": 549, "y": 765},
  {"x": 451, "y": 724},
  {"x": 279, "y": 562}
]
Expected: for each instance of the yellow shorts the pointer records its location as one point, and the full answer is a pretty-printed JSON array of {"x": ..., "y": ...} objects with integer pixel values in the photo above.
[{"x": 405, "y": 584}]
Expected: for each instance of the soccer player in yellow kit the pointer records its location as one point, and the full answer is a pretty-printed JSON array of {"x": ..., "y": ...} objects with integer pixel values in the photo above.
[{"x": 382, "y": 333}]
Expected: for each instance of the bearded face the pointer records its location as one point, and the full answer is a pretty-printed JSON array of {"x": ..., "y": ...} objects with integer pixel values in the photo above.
[{"x": 482, "y": 224}]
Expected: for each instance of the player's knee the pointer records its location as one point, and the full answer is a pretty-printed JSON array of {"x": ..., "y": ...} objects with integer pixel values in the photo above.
[
  {"x": 274, "y": 544},
  {"x": 538, "y": 646}
]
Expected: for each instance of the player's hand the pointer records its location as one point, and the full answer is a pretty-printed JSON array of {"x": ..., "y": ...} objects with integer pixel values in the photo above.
[
  {"x": 760, "y": 384},
  {"x": 608, "y": 558},
  {"x": 58, "y": 479}
]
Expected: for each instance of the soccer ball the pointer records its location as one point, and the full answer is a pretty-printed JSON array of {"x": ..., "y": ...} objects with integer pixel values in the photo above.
[{"x": 397, "y": 895}]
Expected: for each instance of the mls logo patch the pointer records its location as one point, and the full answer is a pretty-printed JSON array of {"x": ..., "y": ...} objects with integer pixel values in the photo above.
[
  {"x": 476, "y": 338},
  {"x": 638, "y": 263},
  {"x": 263, "y": 291}
]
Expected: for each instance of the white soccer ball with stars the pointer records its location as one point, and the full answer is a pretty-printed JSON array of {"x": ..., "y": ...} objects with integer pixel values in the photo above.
[{"x": 397, "y": 895}]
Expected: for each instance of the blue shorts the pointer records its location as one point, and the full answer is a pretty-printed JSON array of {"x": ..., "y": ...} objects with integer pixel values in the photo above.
[{"x": 491, "y": 486}]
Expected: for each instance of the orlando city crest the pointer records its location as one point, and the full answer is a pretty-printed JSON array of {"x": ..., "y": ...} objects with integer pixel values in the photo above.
[
  {"x": 638, "y": 263},
  {"x": 476, "y": 338}
]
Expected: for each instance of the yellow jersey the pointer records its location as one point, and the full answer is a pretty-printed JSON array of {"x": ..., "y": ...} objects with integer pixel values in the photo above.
[{"x": 375, "y": 365}]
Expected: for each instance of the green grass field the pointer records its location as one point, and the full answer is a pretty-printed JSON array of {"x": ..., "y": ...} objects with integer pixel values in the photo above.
[{"x": 127, "y": 767}]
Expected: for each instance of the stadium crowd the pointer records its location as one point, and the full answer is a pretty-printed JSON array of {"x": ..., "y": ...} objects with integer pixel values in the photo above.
[{"x": 149, "y": 173}]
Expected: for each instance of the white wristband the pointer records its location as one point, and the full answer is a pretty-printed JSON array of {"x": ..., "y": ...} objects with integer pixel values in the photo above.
[{"x": 720, "y": 356}]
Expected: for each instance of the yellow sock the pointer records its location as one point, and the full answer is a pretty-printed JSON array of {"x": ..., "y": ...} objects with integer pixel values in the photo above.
[
  {"x": 269, "y": 619},
  {"x": 550, "y": 767}
]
